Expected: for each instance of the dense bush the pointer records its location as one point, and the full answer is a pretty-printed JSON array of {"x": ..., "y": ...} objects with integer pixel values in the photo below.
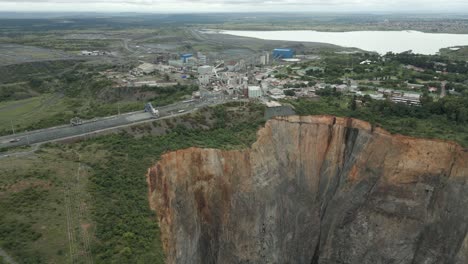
[
  {"x": 444, "y": 119},
  {"x": 17, "y": 233},
  {"x": 126, "y": 229}
]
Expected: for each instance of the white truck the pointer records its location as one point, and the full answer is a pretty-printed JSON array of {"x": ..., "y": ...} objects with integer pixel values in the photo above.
[{"x": 150, "y": 109}]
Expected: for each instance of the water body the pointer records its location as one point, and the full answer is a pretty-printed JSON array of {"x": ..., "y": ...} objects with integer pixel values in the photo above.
[{"x": 378, "y": 41}]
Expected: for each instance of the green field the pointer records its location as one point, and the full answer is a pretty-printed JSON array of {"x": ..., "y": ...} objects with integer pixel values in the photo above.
[{"x": 22, "y": 114}]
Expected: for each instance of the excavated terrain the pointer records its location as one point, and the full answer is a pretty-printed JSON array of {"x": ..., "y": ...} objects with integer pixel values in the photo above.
[{"x": 315, "y": 189}]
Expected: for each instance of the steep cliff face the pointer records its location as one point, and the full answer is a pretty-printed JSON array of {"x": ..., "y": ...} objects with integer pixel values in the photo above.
[{"x": 315, "y": 189}]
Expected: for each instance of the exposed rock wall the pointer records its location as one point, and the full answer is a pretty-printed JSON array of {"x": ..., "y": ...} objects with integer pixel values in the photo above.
[{"x": 311, "y": 190}]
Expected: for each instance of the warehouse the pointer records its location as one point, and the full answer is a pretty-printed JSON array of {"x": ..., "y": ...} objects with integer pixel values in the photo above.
[
  {"x": 185, "y": 57},
  {"x": 283, "y": 53}
]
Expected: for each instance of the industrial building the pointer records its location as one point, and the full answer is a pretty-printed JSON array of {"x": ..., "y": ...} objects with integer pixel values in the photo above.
[
  {"x": 265, "y": 58},
  {"x": 204, "y": 79},
  {"x": 185, "y": 57},
  {"x": 254, "y": 91},
  {"x": 283, "y": 53},
  {"x": 201, "y": 58},
  {"x": 206, "y": 69}
]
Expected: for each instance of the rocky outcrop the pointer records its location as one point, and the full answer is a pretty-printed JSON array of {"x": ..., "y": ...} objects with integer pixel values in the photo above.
[{"x": 315, "y": 189}]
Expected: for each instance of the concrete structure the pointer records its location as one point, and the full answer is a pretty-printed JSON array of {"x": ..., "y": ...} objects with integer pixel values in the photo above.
[
  {"x": 185, "y": 57},
  {"x": 265, "y": 58},
  {"x": 291, "y": 60},
  {"x": 92, "y": 53},
  {"x": 144, "y": 83},
  {"x": 163, "y": 68},
  {"x": 272, "y": 104},
  {"x": 276, "y": 92},
  {"x": 204, "y": 79},
  {"x": 206, "y": 69},
  {"x": 406, "y": 100},
  {"x": 341, "y": 87},
  {"x": 415, "y": 86},
  {"x": 201, "y": 58},
  {"x": 254, "y": 91},
  {"x": 147, "y": 68},
  {"x": 283, "y": 53},
  {"x": 176, "y": 63},
  {"x": 196, "y": 95},
  {"x": 191, "y": 61}
]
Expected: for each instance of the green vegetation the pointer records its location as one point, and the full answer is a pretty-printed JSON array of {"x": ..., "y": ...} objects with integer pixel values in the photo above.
[
  {"x": 16, "y": 233},
  {"x": 29, "y": 71},
  {"x": 20, "y": 81},
  {"x": 125, "y": 227},
  {"x": 401, "y": 72},
  {"x": 171, "y": 94},
  {"x": 35, "y": 193},
  {"x": 461, "y": 53},
  {"x": 108, "y": 196},
  {"x": 33, "y": 113},
  {"x": 444, "y": 119},
  {"x": 54, "y": 92}
]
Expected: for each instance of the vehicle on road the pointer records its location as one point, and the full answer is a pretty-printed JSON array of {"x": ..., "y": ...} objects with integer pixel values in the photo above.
[
  {"x": 14, "y": 140},
  {"x": 181, "y": 111},
  {"x": 149, "y": 108},
  {"x": 76, "y": 121}
]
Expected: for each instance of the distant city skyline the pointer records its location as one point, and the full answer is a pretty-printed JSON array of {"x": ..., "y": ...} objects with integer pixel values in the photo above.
[{"x": 200, "y": 6}]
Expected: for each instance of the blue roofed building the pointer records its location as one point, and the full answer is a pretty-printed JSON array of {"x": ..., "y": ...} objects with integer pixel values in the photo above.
[
  {"x": 185, "y": 57},
  {"x": 283, "y": 53}
]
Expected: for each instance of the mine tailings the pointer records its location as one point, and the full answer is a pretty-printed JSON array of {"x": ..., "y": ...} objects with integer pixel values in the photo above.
[{"x": 315, "y": 189}]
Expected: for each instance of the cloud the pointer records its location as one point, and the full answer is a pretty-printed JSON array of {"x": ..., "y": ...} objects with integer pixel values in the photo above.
[{"x": 232, "y": 5}]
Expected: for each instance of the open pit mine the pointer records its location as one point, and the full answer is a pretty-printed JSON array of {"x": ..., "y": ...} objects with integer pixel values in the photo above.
[{"x": 315, "y": 189}]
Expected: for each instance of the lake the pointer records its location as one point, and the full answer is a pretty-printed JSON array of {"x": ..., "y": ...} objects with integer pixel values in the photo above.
[{"x": 378, "y": 41}]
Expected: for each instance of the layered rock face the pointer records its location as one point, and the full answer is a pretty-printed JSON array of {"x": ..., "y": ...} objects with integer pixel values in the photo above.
[{"x": 311, "y": 190}]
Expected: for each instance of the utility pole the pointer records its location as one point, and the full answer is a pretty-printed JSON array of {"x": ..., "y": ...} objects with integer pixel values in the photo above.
[
  {"x": 27, "y": 137},
  {"x": 118, "y": 107},
  {"x": 12, "y": 128}
]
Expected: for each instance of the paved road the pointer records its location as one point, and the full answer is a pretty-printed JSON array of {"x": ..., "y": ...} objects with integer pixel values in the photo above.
[{"x": 100, "y": 124}]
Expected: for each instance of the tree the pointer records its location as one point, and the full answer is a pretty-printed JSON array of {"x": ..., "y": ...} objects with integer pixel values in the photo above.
[
  {"x": 353, "y": 104},
  {"x": 289, "y": 92},
  {"x": 425, "y": 99},
  {"x": 462, "y": 116},
  {"x": 366, "y": 98},
  {"x": 35, "y": 83}
]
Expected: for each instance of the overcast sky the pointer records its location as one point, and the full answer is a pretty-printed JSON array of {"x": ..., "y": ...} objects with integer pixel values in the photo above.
[{"x": 165, "y": 6}]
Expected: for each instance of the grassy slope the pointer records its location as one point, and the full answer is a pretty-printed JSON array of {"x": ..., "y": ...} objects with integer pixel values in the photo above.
[
  {"x": 108, "y": 198},
  {"x": 35, "y": 191},
  {"x": 27, "y": 112}
]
